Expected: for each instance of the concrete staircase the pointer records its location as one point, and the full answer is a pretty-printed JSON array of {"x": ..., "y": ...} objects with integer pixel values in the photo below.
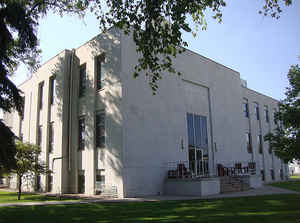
[{"x": 230, "y": 184}]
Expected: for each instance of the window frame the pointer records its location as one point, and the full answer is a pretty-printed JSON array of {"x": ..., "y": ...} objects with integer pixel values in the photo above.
[
  {"x": 81, "y": 133},
  {"x": 99, "y": 60},
  {"x": 100, "y": 139},
  {"x": 82, "y": 80},
  {"x": 40, "y": 95}
]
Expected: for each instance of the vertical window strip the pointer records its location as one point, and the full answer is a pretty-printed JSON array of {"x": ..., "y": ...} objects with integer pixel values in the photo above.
[
  {"x": 51, "y": 137},
  {"x": 39, "y": 136},
  {"x": 100, "y": 129},
  {"x": 246, "y": 108},
  {"x": 52, "y": 89},
  {"x": 40, "y": 93},
  {"x": 82, "y": 80},
  {"x": 99, "y": 73},
  {"x": 260, "y": 146},
  {"x": 256, "y": 111},
  {"x": 81, "y": 134},
  {"x": 266, "y": 113},
  {"x": 204, "y": 137},
  {"x": 249, "y": 142},
  {"x": 190, "y": 125}
]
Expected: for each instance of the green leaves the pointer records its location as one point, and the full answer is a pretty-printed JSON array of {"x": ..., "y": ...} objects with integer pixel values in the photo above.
[{"x": 286, "y": 139}]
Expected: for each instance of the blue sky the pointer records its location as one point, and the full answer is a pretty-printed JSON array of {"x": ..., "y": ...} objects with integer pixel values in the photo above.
[{"x": 260, "y": 48}]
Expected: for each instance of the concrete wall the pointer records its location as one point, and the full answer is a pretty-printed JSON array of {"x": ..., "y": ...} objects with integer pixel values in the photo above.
[
  {"x": 203, "y": 187},
  {"x": 108, "y": 99}
]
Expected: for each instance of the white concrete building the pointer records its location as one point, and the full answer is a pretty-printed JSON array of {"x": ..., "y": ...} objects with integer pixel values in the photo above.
[{"x": 97, "y": 126}]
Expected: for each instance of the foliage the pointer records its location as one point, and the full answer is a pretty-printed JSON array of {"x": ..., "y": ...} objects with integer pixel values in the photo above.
[
  {"x": 285, "y": 141},
  {"x": 156, "y": 27},
  {"x": 8, "y": 149},
  {"x": 28, "y": 163}
]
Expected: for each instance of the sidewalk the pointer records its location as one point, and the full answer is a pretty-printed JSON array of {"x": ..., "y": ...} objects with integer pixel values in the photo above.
[{"x": 265, "y": 190}]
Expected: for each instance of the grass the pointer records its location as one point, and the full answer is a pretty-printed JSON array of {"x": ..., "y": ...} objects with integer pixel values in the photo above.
[
  {"x": 290, "y": 185},
  {"x": 11, "y": 197},
  {"x": 295, "y": 177},
  {"x": 267, "y": 209}
]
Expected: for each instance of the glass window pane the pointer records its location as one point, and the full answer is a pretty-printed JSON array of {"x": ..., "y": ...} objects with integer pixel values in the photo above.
[
  {"x": 197, "y": 123},
  {"x": 204, "y": 139},
  {"x": 190, "y": 126}
]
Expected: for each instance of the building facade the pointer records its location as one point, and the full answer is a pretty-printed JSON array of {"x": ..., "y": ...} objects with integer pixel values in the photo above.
[{"x": 100, "y": 128}]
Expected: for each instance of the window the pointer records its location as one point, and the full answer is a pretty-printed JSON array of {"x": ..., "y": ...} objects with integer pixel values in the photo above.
[
  {"x": 99, "y": 72},
  {"x": 197, "y": 130},
  {"x": 100, "y": 129},
  {"x": 81, "y": 134},
  {"x": 51, "y": 137},
  {"x": 270, "y": 149},
  {"x": 274, "y": 116},
  {"x": 249, "y": 142},
  {"x": 260, "y": 146},
  {"x": 40, "y": 93},
  {"x": 272, "y": 174},
  {"x": 246, "y": 108},
  {"x": 266, "y": 112},
  {"x": 23, "y": 109},
  {"x": 100, "y": 181},
  {"x": 82, "y": 80},
  {"x": 50, "y": 182},
  {"x": 39, "y": 136},
  {"x": 256, "y": 108},
  {"x": 52, "y": 84},
  {"x": 81, "y": 181}
]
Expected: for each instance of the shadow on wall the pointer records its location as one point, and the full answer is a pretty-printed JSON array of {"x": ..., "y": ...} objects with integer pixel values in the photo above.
[{"x": 108, "y": 98}]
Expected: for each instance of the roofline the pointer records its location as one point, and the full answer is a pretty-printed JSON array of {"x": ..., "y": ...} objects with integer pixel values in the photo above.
[
  {"x": 51, "y": 58},
  {"x": 211, "y": 60},
  {"x": 261, "y": 94}
]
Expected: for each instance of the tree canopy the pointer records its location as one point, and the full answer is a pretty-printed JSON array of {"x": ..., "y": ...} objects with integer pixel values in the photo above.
[
  {"x": 285, "y": 141},
  {"x": 28, "y": 163},
  {"x": 156, "y": 25}
]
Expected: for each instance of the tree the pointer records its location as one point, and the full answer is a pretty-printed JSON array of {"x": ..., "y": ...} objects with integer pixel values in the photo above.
[
  {"x": 28, "y": 163},
  {"x": 285, "y": 141},
  {"x": 156, "y": 26}
]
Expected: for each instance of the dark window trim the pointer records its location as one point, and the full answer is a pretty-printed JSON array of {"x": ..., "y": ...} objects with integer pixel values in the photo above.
[
  {"x": 82, "y": 80},
  {"x": 100, "y": 139},
  {"x": 99, "y": 60},
  {"x": 52, "y": 89},
  {"x": 41, "y": 95},
  {"x": 81, "y": 130}
]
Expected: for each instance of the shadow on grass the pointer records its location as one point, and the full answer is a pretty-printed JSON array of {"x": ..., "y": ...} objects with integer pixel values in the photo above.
[{"x": 275, "y": 208}]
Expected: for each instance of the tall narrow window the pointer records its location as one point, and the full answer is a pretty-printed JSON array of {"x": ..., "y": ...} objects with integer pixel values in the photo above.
[
  {"x": 52, "y": 83},
  {"x": 274, "y": 116},
  {"x": 81, "y": 134},
  {"x": 51, "y": 137},
  {"x": 260, "y": 146},
  {"x": 266, "y": 111},
  {"x": 82, "y": 80},
  {"x": 39, "y": 136},
  {"x": 99, "y": 72},
  {"x": 100, "y": 129},
  {"x": 197, "y": 130},
  {"x": 246, "y": 108},
  {"x": 249, "y": 142},
  {"x": 23, "y": 109},
  {"x": 40, "y": 94},
  {"x": 256, "y": 108},
  {"x": 190, "y": 125}
]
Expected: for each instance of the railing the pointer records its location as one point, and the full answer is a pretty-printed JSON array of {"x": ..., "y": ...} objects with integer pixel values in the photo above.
[
  {"x": 237, "y": 168},
  {"x": 187, "y": 169}
]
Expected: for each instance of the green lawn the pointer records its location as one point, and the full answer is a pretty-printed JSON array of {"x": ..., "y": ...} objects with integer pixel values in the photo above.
[
  {"x": 296, "y": 177},
  {"x": 267, "y": 209},
  {"x": 291, "y": 185},
  {"x": 10, "y": 197}
]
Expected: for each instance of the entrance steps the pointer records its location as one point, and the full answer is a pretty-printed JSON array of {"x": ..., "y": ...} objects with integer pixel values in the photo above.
[{"x": 234, "y": 184}]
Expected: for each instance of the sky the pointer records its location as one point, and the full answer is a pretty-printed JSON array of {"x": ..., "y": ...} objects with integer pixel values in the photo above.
[{"x": 260, "y": 48}]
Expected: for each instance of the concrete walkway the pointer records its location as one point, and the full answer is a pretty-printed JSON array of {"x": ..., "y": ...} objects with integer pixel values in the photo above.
[{"x": 265, "y": 190}]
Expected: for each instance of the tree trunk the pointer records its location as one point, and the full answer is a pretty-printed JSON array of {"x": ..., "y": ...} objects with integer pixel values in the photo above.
[{"x": 20, "y": 187}]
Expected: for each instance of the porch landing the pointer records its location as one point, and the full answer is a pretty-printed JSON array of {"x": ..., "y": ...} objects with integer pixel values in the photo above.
[{"x": 192, "y": 186}]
